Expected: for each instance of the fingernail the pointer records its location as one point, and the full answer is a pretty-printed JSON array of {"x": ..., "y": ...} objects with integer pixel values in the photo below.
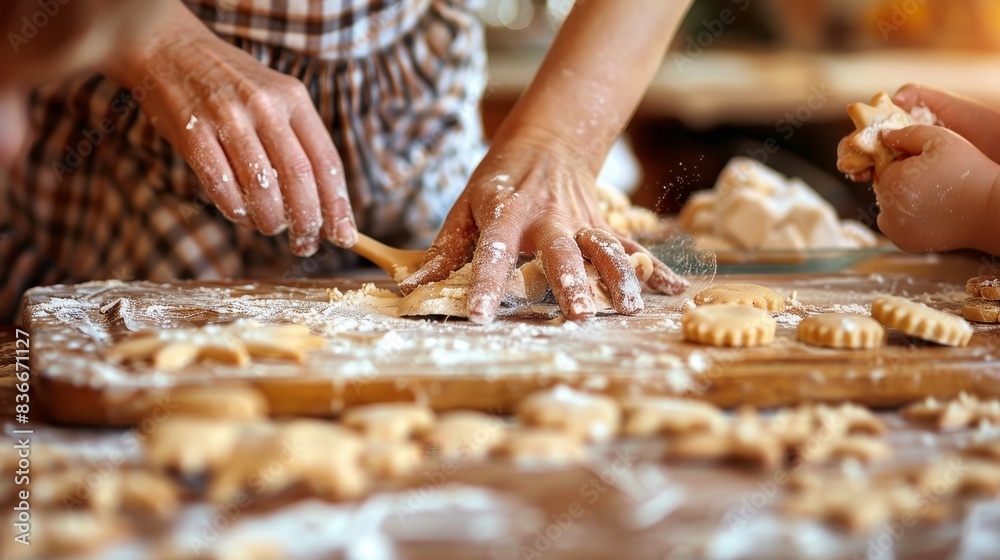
[
  {"x": 583, "y": 307},
  {"x": 346, "y": 235},
  {"x": 304, "y": 245},
  {"x": 482, "y": 309},
  {"x": 632, "y": 303}
]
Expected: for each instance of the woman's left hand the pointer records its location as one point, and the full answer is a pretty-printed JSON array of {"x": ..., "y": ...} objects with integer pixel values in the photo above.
[{"x": 533, "y": 195}]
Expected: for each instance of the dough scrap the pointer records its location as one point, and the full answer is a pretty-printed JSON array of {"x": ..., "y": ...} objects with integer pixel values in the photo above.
[
  {"x": 842, "y": 330},
  {"x": 728, "y": 325},
  {"x": 919, "y": 321},
  {"x": 981, "y": 310},
  {"x": 870, "y": 120},
  {"x": 753, "y": 207},
  {"x": 586, "y": 416},
  {"x": 741, "y": 294},
  {"x": 235, "y": 343},
  {"x": 669, "y": 415},
  {"x": 389, "y": 422}
]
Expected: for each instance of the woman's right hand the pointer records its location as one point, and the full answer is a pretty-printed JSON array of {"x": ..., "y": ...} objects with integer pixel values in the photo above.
[
  {"x": 972, "y": 120},
  {"x": 251, "y": 134}
]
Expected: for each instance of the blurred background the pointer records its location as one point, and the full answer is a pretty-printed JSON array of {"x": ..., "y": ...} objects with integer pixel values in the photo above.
[{"x": 765, "y": 78}]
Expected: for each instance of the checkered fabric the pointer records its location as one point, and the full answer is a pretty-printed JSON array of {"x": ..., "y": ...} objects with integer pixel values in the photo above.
[{"x": 101, "y": 195}]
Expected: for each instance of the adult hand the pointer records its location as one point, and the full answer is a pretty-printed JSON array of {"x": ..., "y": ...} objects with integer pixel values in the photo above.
[
  {"x": 937, "y": 197},
  {"x": 251, "y": 134},
  {"x": 533, "y": 195}
]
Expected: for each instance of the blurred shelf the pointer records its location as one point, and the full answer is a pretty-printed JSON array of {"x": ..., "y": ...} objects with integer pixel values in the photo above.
[{"x": 759, "y": 88}]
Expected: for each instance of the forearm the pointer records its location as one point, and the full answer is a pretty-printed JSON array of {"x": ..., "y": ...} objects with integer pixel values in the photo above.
[{"x": 595, "y": 74}]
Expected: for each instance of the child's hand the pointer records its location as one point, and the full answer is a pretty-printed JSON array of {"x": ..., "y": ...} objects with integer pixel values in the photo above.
[
  {"x": 970, "y": 119},
  {"x": 251, "y": 134},
  {"x": 532, "y": 195},
  {"x": 937, "y": 198}
]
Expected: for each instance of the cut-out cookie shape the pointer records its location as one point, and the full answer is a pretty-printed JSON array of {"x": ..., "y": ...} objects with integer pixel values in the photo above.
[
  {"x": 192, "y": 446},
  {"x": 235, "y": 343},
  {"x": 64, "y": 534},
  {"x": 963, "y": 411},
  {"x": 582, "y": 415},
  {"x": 393, "y": 459},
  {"x": 387, "y": 422},
  {"x": 465, "y": 434},
  {"x": 868, "y": 149},
  {"x": 728, "y": 325},
  {"x": 320, "y": 456},
  {"x": 745, "y": 439},
  {"x": 532, "y": 448},
  {"x": 120, "y": 491},
  {"x": 919, "y": 321},
  {"x": 667, "y": 415},
  {"x": 986, "y": 287},
  {"x": 842, "y": 330},
  {"x": 981, "y": 310},
  {"x": 742, "y": 294},
  {"x": 854, "y": 504}
]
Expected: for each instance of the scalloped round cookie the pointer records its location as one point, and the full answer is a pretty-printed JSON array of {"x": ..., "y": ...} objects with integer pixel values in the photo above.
[
  {"x": 728, "y": 324},
  {"x": 741, "y": 294},
  {"x": 986, "y": 287},
  {"x": 919, "y": 321},
  {"x": 842, "y": 330}
]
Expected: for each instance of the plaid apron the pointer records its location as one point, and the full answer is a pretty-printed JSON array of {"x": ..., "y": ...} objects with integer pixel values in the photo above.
[{"x": 101, "y": 195}]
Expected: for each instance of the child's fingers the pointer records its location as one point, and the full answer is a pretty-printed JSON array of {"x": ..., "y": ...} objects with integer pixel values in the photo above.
[
  {"x": 913, "y": 140},
  {"x": 907, "y": 97}
]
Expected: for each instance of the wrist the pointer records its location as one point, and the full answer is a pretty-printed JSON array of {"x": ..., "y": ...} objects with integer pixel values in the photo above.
[
  {"x": 585, "y": 151},
  {"x": 132, "y": 66}
]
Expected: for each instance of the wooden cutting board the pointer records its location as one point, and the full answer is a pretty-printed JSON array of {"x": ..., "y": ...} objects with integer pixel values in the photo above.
[{"x": 453, "y": 364}]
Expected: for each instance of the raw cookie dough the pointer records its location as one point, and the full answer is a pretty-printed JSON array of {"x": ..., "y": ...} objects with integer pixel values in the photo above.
[
  {"x": 586, "y": 416},
  {"x": 841, "y": 330},
  {"x": 743, "y": 294},
  {"x": 531, "y": 448},
  {"x": 388, "y": 422},
  {"x": 963, "y": 411},
  {"x": 981, "y": 310},
  {"x": 670, "y": 415},
  {"x": 870, "y": 121},
  {"x": 465, "y": 434},
  {"x": 918, "y": 320},
  {"x": 728, "y": 325},
  {"x": 234, "y": 343},
  {"x": 449, "y": 297},
  {"x": 753, "y": 207}
]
